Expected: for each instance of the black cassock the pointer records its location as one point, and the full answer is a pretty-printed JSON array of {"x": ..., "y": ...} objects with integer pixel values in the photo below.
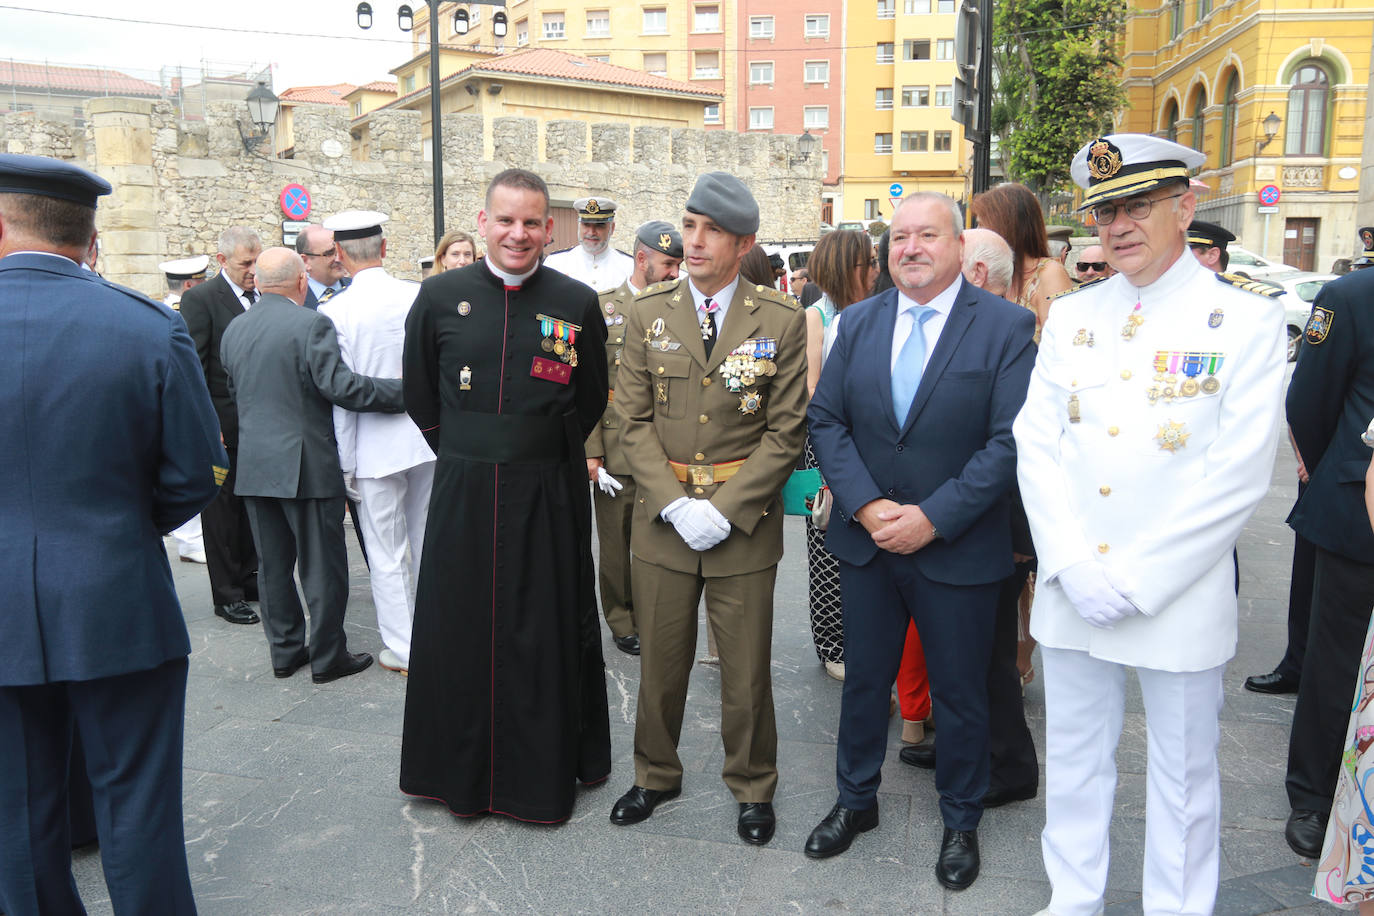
[{"x": 506, "y": 700}]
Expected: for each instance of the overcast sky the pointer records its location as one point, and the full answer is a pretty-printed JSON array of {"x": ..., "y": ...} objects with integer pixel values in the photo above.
[{"x": 308, "y": 43}]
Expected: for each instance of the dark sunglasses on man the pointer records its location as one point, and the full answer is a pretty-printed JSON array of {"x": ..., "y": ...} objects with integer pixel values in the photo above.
[{"x": 1098, "y": 266}]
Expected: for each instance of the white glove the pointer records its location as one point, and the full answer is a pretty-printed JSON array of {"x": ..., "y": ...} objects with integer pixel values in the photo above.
[
  {"x": 1095, "y": 594},
  {"x": 694, "y": 521},
  {"x": 607, "y": 484},
  {"x": 351, "y": 488}
]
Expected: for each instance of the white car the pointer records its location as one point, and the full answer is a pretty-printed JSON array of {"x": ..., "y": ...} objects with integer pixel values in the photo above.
[
  {"x": 1244, "y": 261},
  {"x": 1299, "y": 290}
]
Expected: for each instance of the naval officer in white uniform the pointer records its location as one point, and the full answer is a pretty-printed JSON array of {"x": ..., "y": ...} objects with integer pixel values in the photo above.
[
  {"x": 182, "y": 274},
  {"x": 385, "y": 454},
  {"x": 1146, "y": 440},
  {"x": 592, "y": 260}
]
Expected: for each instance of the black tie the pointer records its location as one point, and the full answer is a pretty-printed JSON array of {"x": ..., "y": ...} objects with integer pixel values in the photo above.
[
  {"x": 708, "y": 327},
  {"x": 248, "y": 297}
]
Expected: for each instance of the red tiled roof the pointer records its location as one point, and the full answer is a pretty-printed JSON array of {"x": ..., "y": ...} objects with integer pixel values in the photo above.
[
  {"x": 379, "y": 86},
  {"x": 555, "y": 64},
  {"x": 318, "y": 95},
  {"x": 90, "y": 80}
]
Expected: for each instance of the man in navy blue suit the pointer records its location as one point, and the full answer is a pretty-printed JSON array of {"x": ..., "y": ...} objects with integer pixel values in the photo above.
[
  {"x": 911, "y": 423},
  {"x": 108, "y": 440}
]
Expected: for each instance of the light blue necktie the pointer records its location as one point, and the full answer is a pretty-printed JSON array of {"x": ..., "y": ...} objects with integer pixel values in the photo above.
[{"x": 906, "y": 375}]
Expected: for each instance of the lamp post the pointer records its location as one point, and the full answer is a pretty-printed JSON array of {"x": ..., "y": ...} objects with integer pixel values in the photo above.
[
  {"x": 405, "y": 20},
  {"x": 262, "y": 111},
  {"x": 1271, "y": 130},
  {"x": 806, "y": 143}
]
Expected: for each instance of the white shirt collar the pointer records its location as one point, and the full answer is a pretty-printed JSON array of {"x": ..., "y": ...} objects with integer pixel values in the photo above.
[
  {"x": 238, "y": 290},
  {"x": 51, "y": 254},
  {"x": 722, "y": 300},
  {"x": 942, "y": 303},
  {"x": 318, "y": 288},
  {"x": 508, "y": 278}
]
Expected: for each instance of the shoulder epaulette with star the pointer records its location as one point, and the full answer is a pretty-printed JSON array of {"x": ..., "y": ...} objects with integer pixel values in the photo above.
[
  {"x": 773, "y": 294},
  {"x": 1079, "y": 288},
  {"x": 659, "y": 287},
  {"x": 1258, "y": 287}
]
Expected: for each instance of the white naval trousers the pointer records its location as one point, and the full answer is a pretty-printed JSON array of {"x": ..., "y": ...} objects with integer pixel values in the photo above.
[
  {"x": 189, "y": 538},
  {"x": 394, "y": 510},
  {"x": 1084, "y": 701}
]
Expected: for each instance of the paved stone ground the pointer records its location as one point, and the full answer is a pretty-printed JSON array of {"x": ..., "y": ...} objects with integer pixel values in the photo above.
[{"x": 292, "y": 805}]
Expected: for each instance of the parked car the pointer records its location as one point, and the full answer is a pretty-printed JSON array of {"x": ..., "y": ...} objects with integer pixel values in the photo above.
[
  {"x": 794, "y": 256},
  {"x": 1299, "y": 291},
  {"x": 1244, "y": 261}
]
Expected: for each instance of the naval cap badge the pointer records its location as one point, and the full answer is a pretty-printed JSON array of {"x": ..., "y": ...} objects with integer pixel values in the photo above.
[{"x": 1104, "y": 159}]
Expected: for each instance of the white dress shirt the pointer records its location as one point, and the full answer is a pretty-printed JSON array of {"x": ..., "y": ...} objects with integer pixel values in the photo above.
[
  {"x": 721, "y": 299},
  {"x": 941, "y": 304}
]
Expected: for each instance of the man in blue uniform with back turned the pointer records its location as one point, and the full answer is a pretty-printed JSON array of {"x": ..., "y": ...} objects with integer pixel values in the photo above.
[{"x": 108, "y": 440}]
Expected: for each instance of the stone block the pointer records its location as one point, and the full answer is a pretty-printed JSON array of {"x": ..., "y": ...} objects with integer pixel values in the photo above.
[
  {"x": 515, "y": 141},
  {"x": 689, "y": 149},
  {"x": 565, "y": 142},
  {"x": 652, "y": 146},
  {"x": 462, "y": 138},
  {"x": 611, "y": 144}
]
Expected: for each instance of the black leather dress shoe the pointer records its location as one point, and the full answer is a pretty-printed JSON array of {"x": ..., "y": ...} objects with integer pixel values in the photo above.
[
  {"x": 756, "y": 822},
  {"x": 1305, "y": 832},
  {"x": 833, "y": 835},
  {"x": 997, "y": 796},
  {"x": 1273, "y": 682},
  {"x": 919, "y": 755},
  {"x": 628, "y": 644},
  {"x": 296, "y": 664},
  {"x": 352, "y": 663},
  {"x": 957, "y": 866},
  {"x": 238, "y": 612},
  {"x": 637, "y": 804}
]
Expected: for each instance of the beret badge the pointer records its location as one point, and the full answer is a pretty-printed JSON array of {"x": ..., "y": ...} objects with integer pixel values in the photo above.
[{"x": 664, "y": 241}]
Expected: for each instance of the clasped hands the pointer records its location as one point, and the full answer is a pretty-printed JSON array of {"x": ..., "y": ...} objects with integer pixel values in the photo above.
[
  {"x": 896, "y": 527},
  {"x": 1098, "y": 595},
  {"x": 698, "y": 523}
]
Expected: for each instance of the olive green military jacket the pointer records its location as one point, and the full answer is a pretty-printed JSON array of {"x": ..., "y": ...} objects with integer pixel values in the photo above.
[
  {"x": 604, "y": 441},
  {"x": 674, "y": 404}
]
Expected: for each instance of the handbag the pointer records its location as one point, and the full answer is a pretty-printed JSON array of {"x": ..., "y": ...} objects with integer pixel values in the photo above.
[
  {"x": 821, "y": 504},
  {"x": 801, "y": 486}
]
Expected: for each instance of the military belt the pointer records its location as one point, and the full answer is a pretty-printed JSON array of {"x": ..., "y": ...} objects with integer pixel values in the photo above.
[{"x": 703, "y": 475}]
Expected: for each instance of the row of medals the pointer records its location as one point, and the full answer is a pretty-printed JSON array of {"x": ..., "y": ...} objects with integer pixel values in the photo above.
[
  {"x": 747, "y": 362},
  {"x": 560, "y": 348}
]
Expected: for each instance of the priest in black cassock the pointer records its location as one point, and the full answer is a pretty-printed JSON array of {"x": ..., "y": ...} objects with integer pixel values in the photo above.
[{"x": 505, "y": 373}]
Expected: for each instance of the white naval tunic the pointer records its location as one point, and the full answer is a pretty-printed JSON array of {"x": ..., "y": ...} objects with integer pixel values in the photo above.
[{"x": 605, "y": 271}]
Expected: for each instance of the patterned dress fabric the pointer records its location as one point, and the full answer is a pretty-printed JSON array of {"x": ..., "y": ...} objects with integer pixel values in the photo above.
[{"x": 823, "y": 591}]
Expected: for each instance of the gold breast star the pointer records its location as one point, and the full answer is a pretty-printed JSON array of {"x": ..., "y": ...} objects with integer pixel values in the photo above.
[
  {"x": 1171, "y": 436},
  {"x": 750, "y": 402}
]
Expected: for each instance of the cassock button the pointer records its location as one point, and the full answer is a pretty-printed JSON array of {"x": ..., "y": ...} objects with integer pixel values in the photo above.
[
  {"x": 1105, "y": 491},
  {"x": 699, "y": 456},
  {"x": 703, "y": 419},
  {"x": 1103, "y": 548},
  {"x": 706, "y": 382},
  {"x": 1113, "y": 430},
  {"x": 1126, "y": 373}
]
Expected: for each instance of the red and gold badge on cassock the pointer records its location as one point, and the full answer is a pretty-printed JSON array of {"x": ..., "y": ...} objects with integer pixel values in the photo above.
[{"x": 551, "y": 369}]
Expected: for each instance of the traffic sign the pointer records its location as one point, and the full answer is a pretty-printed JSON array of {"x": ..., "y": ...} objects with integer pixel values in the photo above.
[
  {"x": 896, "y": 202},
  {"x": 295, "y": 201},
  {"x": 1269, "y": 195},
  {"x": 1265, "y": 211},
  {"x": 895, "y": 190}
]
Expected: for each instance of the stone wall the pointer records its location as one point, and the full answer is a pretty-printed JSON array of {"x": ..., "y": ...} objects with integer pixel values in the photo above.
[{"x": 179, "y": 183}]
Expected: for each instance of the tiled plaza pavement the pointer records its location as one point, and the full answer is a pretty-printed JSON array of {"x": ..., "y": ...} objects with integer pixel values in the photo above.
[{"x": 292, "y": 806}]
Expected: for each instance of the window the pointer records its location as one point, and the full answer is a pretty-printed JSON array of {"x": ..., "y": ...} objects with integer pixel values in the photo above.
[
  {"x": 871, "y": 208},
  {"x": 882, "y": 99},
  {"x": 760, "y": 119},
  {"x": 914, "y": 141},
  {"x": 818, "y": 25},
  {"x": 656, "y": 63},
  {"x": 474, "y": 16},
  {"x": 944, "y": 96},
  {"x": 943, "y": 141},
  {"x": 600, "y": 58},
  {"x": 816, "y": 117},
  {"x": 711, "y": 114},
  {"x": 761, "y": 27},
  {"x": 913, "y": 7},
  {"x": 408, "y": 84},
  {"x": 885, "y": 51},
  {"x": 760, "y": 71},
  {"x": 916, "y": 49},
  {"x": 825, "y": 165},
  {"x": 1175, "y": 18},
  {"x": 882, "y": 143},
  {"x": 706, "y": 65},
  {"x": 1197, "y": 122},
  {"x": 1204, "y": 9},
  {"x": 1309, "y": 97},
  {"x": 915, "y": 96},
  {"x": 598, "y": 23},
  {"x": 656, "y": 21},
  {"x": 706, "y": 19},
  {"x": 1171, "y": 122},
  {"x": 816, "y": 71},
  {"x": 1228, "y": 120},
  {"x": 944, "y": 6},
  {"x": 357, "y": 109},
  {"x": 553, "y": 26},
  {"x": 522, "y": 33},
  {"x": 887, "y": 9},
  {"x": 944, "y": 49}
]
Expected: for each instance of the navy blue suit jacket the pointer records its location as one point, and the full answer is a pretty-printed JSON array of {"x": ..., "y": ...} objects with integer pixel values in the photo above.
[
  {"x": 953, "y": 454},
  {"x": 1330, "y": 402},
  {"x": 108, "y": 440},
  {"x": 312, "y": 301}
]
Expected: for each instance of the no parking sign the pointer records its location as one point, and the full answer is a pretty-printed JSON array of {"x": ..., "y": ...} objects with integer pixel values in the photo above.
[{"x": 295, "y": 201}]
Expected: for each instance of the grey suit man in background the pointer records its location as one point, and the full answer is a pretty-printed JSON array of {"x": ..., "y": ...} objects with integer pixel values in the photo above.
[{"x": 285, "y": 373}]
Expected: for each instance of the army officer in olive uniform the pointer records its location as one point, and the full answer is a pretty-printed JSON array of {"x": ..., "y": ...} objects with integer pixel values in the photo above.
[
  {"x": 711, "y": 397},
  {"x": 658, "y": 252}
]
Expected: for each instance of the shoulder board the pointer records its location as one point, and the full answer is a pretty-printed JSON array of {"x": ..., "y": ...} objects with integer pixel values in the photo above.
[
  {"x": 1258, "y": 287},
  {"x": 660, "y": 287},
  {"x": 773, "y": 294},
  {"x": 604, "y": 294},
  {"x": 559, "y": 251},
  {"x": 1079, "y": 288}
]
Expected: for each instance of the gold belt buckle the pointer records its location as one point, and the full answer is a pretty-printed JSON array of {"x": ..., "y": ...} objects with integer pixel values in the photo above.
[{"x": 701, "y": 475}]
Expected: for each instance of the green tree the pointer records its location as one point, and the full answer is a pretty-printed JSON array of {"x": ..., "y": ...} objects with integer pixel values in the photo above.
[{"x": 1058, "y": 83}]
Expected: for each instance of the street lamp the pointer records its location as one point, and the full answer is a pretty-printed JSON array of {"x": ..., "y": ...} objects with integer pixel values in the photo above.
[
  {"x": 364, "y": 15},
  {"x": 461, "y": 22},
  {"x": 498, "y": 24},
  {"x": 405, "y": 17},
  {"x": 1271, "y": 130},
  {"x": 262, "y": 111},
  {"x": 806, "y": 143}
]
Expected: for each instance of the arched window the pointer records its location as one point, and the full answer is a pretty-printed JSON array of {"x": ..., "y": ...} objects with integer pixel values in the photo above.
[
  {"x": 1171, "y": 121},
  {"x": 1228, "y": 120},
  {"x": 1197, "y": 120},
  {"x": 1309, "y": 94}
]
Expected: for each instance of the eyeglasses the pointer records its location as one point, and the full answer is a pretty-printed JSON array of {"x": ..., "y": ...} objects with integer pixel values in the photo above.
[
  {"x": 323, "y": 254},
  {"x": 1137, "y": 208},
  {"x": 1098, "y": 266},
  {"x": 871, "y": 264}
]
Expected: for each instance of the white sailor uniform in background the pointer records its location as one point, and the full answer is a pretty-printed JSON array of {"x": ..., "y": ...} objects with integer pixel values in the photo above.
[
  {"x": 601, "y": 272},
  {"x": 189, "y": 538},
  {"x": 1145, "y": 443}
]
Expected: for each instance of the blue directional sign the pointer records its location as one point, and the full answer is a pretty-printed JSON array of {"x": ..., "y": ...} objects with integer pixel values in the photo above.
[{"x": 894, "y": 189}]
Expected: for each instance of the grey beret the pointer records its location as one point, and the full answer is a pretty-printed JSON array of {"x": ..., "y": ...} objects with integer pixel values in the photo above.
[
  {"x": 725, "y": 199},
  {"x": 661, "y": 236}
]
